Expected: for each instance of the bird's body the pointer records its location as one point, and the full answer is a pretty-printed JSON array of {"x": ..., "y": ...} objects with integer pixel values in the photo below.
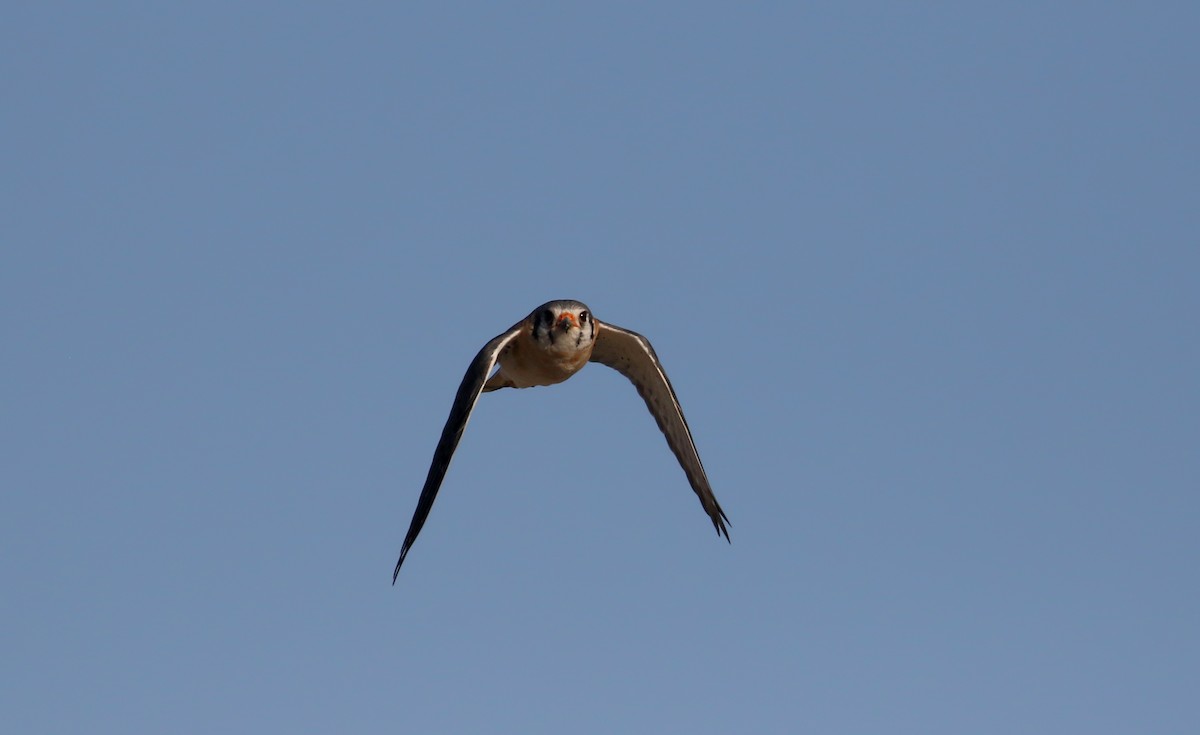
[
  {"x": 544, "y": 356},
  {"x": 550, "y": 345}
]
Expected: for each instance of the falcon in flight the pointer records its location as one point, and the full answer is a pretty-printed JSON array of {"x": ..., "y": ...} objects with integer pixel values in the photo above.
[{"x": 550, "y": 345}]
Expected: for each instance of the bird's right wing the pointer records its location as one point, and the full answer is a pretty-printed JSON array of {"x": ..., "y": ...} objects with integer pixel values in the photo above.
[{"x": 460, "y": 413}]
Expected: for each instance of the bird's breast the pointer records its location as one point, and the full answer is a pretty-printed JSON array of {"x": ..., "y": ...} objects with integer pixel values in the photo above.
[{"x": 529, "y": 364}]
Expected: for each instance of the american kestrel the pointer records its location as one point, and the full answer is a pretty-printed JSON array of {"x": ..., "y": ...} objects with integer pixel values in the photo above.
[{"x": 547, "y": 347}]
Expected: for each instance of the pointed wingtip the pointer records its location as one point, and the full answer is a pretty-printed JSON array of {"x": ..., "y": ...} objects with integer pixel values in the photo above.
[
  {"x": 720, "y": 525},
  {"x": 399, "y": 563},
  {"x": 721, "y": 521}
]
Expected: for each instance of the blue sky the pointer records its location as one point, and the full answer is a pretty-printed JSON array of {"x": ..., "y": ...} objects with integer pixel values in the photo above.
[{"x": 924, "y": 277}]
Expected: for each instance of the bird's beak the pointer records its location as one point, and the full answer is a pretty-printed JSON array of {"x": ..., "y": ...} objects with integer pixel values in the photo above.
[{"x": 565, "y": 317}]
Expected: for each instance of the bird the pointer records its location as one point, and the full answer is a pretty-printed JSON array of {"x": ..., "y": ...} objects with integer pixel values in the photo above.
[{"x": 547, "y": 347}]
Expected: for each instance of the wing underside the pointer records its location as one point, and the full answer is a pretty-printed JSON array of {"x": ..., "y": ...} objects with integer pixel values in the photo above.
[
  {"x": 460, "y": 414},
  {"x": 630, "y": 354}
]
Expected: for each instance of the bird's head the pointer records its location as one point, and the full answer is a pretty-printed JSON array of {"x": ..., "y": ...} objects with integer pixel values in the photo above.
[{"x": 563, "y": 324}]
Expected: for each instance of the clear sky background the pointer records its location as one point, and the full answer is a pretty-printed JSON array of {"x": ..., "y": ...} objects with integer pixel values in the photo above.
[{"x": 924, "y": 276}]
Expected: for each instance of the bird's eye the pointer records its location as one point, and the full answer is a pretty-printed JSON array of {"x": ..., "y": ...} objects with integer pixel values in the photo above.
[
  {"x": 583, "y": 316},
  {"x": 547, "y": 316}
]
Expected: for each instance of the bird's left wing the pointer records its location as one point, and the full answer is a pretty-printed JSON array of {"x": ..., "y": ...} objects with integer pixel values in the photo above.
[
  {"x": 460, "y": 413},
  {"x": 630, "y": 354}
]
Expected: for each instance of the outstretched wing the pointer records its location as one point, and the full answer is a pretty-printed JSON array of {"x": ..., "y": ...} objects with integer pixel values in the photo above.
[
  {"x": 630, "y": 354},
  {"x": 460, "y": 413}
]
